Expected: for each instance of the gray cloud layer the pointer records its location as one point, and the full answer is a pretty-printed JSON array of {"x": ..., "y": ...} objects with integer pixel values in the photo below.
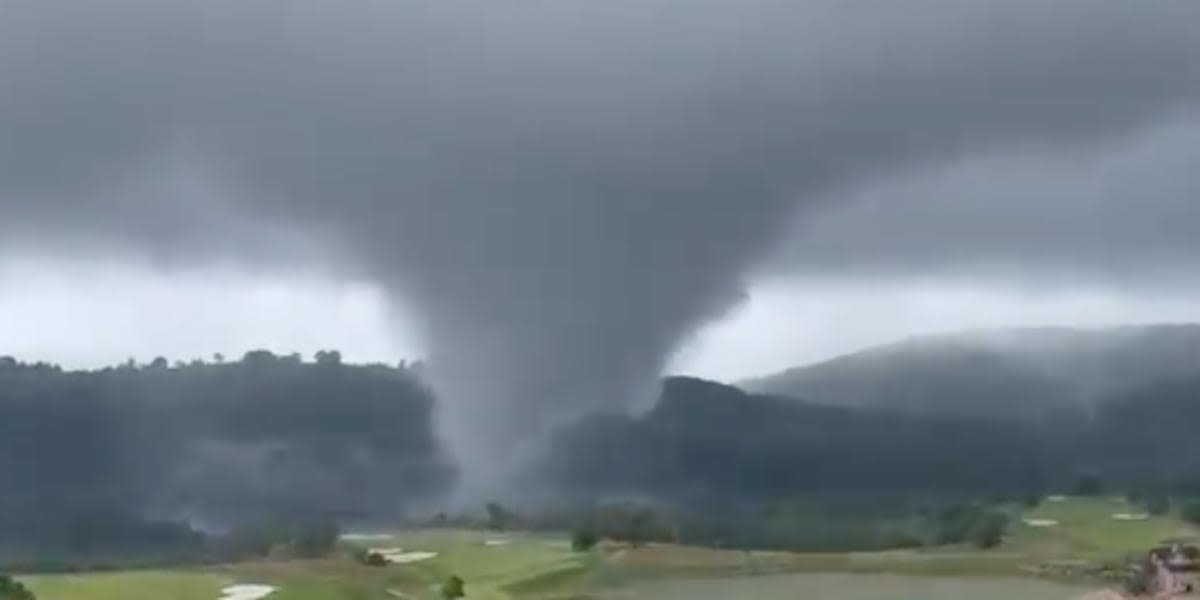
[
  {"x": 562, "y": 189},
  {"x": 1119, "y": 214}
]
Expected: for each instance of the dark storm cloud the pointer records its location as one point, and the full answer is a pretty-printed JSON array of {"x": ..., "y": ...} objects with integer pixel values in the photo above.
[
  {"x": 563, "y": 189},
  {"x": 1116, "y": 214}
]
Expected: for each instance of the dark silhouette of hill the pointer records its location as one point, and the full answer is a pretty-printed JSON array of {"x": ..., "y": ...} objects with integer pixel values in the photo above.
[
  {"x": 218, "y": 443},
  {"x": 711, "y": 441}
]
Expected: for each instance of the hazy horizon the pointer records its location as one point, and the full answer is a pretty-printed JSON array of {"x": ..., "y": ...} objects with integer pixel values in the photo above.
[{"x": 781, "y": 324}]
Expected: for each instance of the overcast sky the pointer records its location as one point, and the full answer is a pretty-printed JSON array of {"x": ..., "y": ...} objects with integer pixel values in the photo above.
[
  {"x": 88, "y": 315},
  {"x": 549, "y": 199}
]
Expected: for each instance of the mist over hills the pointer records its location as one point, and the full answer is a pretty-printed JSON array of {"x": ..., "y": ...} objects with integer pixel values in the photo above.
[{"x": 1025, "y": 372}]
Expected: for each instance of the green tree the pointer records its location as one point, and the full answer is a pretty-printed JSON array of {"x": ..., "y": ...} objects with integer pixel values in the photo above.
[
  {"x": 11, "y": 589},
  {"x": 1190, "y": 511},
  {"x": 328, "y": 357},
  {"x": 641, "y": 527},
  {"x": 1088, "y": 484},
  {"x": 314, "y": 540}
]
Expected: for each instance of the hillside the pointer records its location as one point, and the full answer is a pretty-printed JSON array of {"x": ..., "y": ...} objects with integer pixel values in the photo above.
[
  {"x": 1009, "y": 373},
  {"x": 716, "y": 442},
  {"x": 215, "y": 443}
]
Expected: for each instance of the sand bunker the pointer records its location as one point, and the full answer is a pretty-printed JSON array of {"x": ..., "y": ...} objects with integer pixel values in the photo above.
[
  {"x": 398, "y": 556},
  {"x": 410, "y": 557},
  {"x": 366, "y": 537},
  {"x": 1056, "y": 499},
  {"x": 496, "y": 542},
  {"x": 246, "y": 592},
  {"x": 1041, "y": 522},
  {"x": 1130, "y": 517}
]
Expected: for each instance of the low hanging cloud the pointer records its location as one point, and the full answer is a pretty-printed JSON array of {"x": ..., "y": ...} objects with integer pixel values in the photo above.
[{"x": 562, "y": 190}]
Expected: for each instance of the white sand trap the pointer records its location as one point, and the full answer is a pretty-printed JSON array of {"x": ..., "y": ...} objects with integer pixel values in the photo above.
[
  {"x": 1041, "y": 522},
  {"x": 409, "y": 557},
  {"x": 496, "y": 542},
  {"x": 1130, "y": 517},
  {"x": 367, "y": 537},
  {"x": 246, "y": 592},
  {"x": 398, "y": 556},
  {"x": 1056, "y": 499}
]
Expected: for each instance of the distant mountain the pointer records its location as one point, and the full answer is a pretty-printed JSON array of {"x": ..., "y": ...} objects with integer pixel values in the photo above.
[{"x": 1012, "y": 372}]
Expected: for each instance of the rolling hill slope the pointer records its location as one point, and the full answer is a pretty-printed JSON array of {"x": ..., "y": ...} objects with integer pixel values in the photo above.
[{"x": 1010, "y": 373}]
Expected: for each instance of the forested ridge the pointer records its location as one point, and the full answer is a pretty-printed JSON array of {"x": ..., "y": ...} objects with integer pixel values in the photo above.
[
  {"x": 216, "y": 445},
  {"x": 140, "y": 457}
]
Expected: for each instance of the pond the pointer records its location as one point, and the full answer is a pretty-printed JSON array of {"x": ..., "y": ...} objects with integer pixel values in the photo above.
[{"x": 821, "y": 586}]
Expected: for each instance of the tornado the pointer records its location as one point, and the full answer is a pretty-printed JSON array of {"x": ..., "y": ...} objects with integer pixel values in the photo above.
[{"x": 562, "y": 192}]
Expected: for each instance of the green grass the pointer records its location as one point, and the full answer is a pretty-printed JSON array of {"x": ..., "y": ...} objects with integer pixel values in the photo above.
[
  {"x": 528, "y": 564},
  {"x": 302, "y": 580},
  {"x": 1086, "y": 528},
  {"x": 536, "y": 566},
  {"x": 150, "y": 585}
]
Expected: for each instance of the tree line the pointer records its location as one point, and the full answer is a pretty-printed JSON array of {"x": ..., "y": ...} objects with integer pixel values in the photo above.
[
  {"x": 135, "y": 458},
  {"x": 142, "y": 457}
]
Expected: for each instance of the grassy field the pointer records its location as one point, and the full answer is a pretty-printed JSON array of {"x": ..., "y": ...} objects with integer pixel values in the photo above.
[
  {"x": 527, "y": 566},
  {"x": 1086, "y": 528},
  {"x": 148, "y": 585},
  {"x": 524, "y": 565}
]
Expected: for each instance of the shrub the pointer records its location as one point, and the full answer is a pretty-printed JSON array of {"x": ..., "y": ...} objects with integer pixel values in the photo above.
[
  {"x": 583, "y": 540},
  {"x": 989, "y": 530},
  {"x": 1158, "y": 504},
  {"x": 453, "y": 588},
  {"x": 363, "y": 556},
  {"x": 900, "y": 539}
]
